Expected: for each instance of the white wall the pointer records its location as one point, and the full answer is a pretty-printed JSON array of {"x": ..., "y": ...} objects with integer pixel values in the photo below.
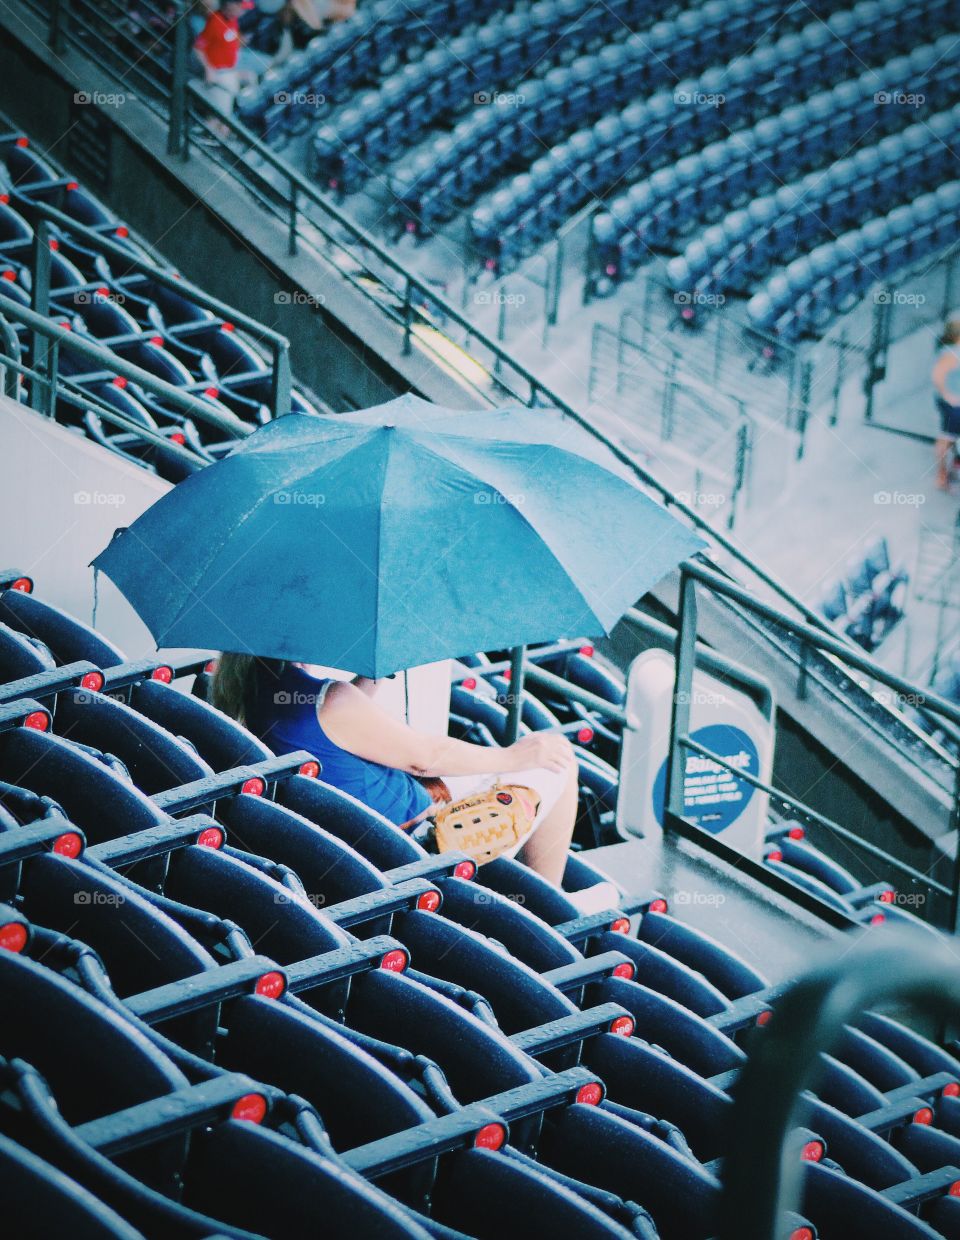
[{"x": 61, "y": 498}]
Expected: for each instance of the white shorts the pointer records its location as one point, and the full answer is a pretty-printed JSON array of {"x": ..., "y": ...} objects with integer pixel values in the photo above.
[{"x": 548, "y": 785}]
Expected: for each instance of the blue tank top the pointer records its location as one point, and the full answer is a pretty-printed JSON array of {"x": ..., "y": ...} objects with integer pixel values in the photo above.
[{"x": 287, "y": 720}]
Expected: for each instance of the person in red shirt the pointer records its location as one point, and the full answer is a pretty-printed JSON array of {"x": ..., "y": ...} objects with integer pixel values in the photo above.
[{"x": 218, "y": 47}]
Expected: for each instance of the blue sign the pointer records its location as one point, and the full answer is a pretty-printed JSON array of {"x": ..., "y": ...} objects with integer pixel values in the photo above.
[{"x": 713, "y": 797}]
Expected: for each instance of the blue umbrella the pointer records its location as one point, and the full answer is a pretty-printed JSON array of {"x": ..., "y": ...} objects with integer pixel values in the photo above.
[{"x": 385, "y": 539}]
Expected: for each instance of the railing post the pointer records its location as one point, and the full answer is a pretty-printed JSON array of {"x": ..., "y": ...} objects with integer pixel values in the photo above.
[
  {"x": 11, "y": 379},
  {"x": 49, "y": 396},
  {"x": 554, "y": 285},
  {"x": 802, "y": 671},
  {"x": 685, "y": 653},
  {"x": 407, "y": 315},
  {"x": 177, "y": 128},
  {"x": 741, "y": 456},
  {"x": 280, "y": 381},
  {"x": 515, "y": 697},
  {"x": 56, "y": 33},
  {"x": 877, "y": 357},
  {"x": 42, "y": 353},
  {"x": 954, "y": 922},
  {"x": 292, "y": 219},
  {"x": 669, "y": 400},
  {"x": 841, "y": 347},
  {"x": 803, "y": 407}
]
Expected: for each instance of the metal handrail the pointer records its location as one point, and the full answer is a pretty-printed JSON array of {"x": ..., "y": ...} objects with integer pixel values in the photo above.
[
  {"x": 279, "y": 345},
  {"x": 309, "y": 192},
  {"x": 26, "y": 205},
  {"x": 681, "y": 740},
  {"x": 183, "y": 93},
  {"x": 763, "y": 1171},
  {"x": 851, "y": 655},
  {"x": 110, "y": 362},
  {"x": 812, "y": 815},
  {"x": 113, "y": 416}
]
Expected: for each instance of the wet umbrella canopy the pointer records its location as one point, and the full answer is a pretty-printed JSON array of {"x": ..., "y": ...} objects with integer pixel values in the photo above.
[{"x": 391, "y": 537}]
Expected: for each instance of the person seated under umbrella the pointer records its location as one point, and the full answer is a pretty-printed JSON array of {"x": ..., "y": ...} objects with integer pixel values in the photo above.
[{"x": 364, "y": 751}]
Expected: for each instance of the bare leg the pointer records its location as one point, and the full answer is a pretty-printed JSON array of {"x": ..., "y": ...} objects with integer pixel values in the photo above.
[
  {"x": 546, "y": 850},
  {"x": 943, "y": 455},
  {"x": 306, "y": 10}
]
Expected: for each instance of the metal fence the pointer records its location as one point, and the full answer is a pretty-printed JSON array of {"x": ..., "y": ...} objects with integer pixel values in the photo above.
[
  {"x": 313, "y": 221},
  {"x": 940, "y": 899}
]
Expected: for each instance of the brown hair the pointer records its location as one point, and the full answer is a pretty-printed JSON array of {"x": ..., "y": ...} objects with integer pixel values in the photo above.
[
  {"x": 239, "y": 680},
  {"x": 951, "y": 331}
]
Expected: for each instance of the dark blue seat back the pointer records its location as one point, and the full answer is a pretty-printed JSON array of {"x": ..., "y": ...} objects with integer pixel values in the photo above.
[
  {"x": 477, "y": 1060},
  {"x": 280, "y": 923},
  {"x": 345, "y": 817},
  {"x": 219, "y": 740},
  {"x": 329, "y": 868},
  {"x": 102, "y": 805},
  {"x": 155, "y": 759},
  {"x": 519, "y": 997},
  {"x": 67, "y": 638},
  {"x": 38, "y": 1200}
]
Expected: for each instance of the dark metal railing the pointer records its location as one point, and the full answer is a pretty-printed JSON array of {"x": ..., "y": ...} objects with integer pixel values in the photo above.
[
  {"x": 681, "y": 742},
  {"x": 45, "y": 377},
  {"x": 763, "y": 1171},
  {"x": 287, "y": 190},
  {"x": 43, "y": 215}
]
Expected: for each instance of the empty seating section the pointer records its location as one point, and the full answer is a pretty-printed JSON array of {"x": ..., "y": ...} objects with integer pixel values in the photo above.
[
  {"x": 748, "y": 242},
  {"x": 682, "y": 119},
  {"x": 162, "y": 330},
  {"x": 200, "y": 940},
  {"x": 806, "y": 295},
  {"x": 869, "y": 600},
  {"x": 470, "y": 71},
  {"x": 737, "y": 142},
  {"x": 563, "y": 99},
  {"x": 349, "y": 54},
  {"x": 768, "y": 169}
]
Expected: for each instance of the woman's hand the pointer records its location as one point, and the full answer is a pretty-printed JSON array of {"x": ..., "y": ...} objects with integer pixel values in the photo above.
[{"x": 547, "y": 749}]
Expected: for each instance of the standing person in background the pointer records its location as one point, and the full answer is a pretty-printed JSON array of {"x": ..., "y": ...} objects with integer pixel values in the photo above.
[
  {"x": 218, "y": 47},
  {"x": 946, "y": 383},
  {"x": 312, "y": 13}
]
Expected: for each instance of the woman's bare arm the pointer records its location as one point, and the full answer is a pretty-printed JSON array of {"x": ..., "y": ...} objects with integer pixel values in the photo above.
[
  {"x": 355, "y": 723},
  {"x": 941, "y": 370}
]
